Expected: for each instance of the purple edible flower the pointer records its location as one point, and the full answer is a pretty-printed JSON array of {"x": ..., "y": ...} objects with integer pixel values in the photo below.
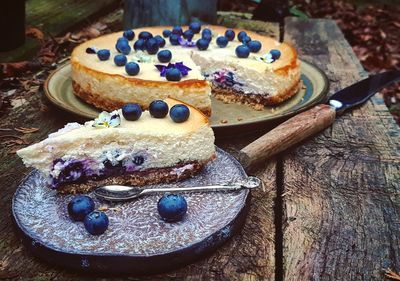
[
  {"x": 179, "y": 65},
  {"x": 186, "y": 43}
]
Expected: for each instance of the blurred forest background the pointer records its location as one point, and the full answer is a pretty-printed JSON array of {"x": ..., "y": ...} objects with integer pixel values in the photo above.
[{"x": 371, "y": 27}]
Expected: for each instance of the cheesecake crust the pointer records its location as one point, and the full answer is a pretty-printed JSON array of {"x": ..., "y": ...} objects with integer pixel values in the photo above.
[
  {"x": 256, "y": 101},
  {"x": 138, "y": 178}
]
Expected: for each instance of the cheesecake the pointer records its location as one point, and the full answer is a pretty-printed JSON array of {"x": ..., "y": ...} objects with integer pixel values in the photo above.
[
  {"x": 217, "y": 71},
  {"x": 114, "y": 150}
]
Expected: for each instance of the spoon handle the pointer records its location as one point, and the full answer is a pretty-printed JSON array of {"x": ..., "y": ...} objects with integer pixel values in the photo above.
[{"x": 193, "y": 189}]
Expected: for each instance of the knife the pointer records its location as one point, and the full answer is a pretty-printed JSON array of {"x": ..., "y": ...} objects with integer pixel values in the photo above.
[{"x": 314, "y": 120}]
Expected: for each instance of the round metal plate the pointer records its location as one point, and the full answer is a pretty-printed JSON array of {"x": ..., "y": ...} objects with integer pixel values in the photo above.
[
  {"x": 137, "y": 240},
  {"x": 225, "y": 117}
]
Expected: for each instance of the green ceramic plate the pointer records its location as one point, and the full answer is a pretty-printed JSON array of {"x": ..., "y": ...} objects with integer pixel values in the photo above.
[{"x": 226, "y": 117}]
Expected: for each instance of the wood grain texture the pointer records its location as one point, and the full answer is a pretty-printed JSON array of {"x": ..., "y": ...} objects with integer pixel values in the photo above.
[
  {"x": 341, "y": 189},
  {"x": 287, "y": 134},
  {"x": 248, "y": 256}
]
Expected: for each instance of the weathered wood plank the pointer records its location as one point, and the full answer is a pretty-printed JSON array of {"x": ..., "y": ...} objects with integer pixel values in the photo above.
[
  {"x": 56, "y": 17},
  {"x": 341, "y": 188},
  {"x": 248, "y": 256}
]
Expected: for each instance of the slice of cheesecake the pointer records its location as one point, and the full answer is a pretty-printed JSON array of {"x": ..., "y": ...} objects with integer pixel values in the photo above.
[{"x": 149, "y": 150}]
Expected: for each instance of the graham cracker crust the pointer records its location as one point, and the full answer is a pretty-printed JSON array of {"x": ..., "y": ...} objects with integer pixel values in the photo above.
[
  {"x": 256, "y": 101},
  {"x": 138, "y": 178}
]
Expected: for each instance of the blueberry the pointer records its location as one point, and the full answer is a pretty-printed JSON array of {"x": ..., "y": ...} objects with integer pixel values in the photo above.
[
  {"x": 246, "y": 39},
  {"x": 138, "y": 160},
  {"x": 222, "y": 41},
  {"x": 160, "y": 41},
  {"x": 145, "y": 35},
  {"x": 242, "y": 51},
  {"x": 195, "y": 27},
  {"x": 172, "y": 207},
  {"x": 207, "y": 37},
  {"x": 139, "y": 45},
  {"x": 122, "y": 39},
  {"x": 230, "y": 34},
  {"x": 202, "y": 44},
  {"x": 103, "y": 54},
  {"x": 164, "y": 56},
  {"x": 90, "y": 50},
  {"x": 131, "y": 111},
  {"x": 158, "y": 109},
  {"x": 177, "y": 30},
  {"x": 276, "y": 54},
  {"x": 96, "y": 222},
  {"x": 120, "y": 60},
  {"x": 123, "y": 47},
  {"x": 174, "y": 39},
  {"x": 179, "y": 113},
  {"x": 152, "y": 46},
  {"x": 188, "y": 35},
  {"x": 79, "y": 207},
  {"x": 132, "y": 68},
  {"x": 254, "y": 46},
  {"x": 206, "y": 31},
  {"x": 241, "y": 35},
  {"x": 129, "y": 34},
  {"x": 166, "y": 33},
  {"x": 173, "y": 74}
]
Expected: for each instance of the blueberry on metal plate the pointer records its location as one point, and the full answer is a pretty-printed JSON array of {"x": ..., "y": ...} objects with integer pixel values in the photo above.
[
  {"x": 172, "y": 207},
  {"x": 80, "y": 206},
  {"x": 179, "y": 113},
  {"x": 158, "y": 109},
  {"x": 96, "y": 222}
]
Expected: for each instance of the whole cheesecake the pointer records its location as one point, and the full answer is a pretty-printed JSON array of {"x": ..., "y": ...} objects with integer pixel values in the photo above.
[
  {"x": 256, "y": 80},
  {"x": 149, "y": 150}
]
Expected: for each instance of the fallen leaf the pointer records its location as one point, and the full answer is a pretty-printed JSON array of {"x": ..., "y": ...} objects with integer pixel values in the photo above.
[{"x": 34, "y": 33}]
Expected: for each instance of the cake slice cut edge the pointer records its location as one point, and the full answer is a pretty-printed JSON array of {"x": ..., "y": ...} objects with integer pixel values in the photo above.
[{"x": 79, "y": 158}]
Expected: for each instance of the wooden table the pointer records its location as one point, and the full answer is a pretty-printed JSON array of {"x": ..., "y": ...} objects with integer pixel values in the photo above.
[{"x": 331, "y": 206}]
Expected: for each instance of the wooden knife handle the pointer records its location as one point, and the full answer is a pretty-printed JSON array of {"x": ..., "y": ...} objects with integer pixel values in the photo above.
[{"x": 292, "y": 131}]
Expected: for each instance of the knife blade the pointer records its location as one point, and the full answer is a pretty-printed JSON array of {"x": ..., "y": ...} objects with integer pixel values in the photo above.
[
  {"x": 314, "y": 120},
  {"x": 360, "y": 92}
]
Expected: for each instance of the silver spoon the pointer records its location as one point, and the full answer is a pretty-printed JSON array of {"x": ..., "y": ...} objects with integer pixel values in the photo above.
[{"x": 125, "y": 193}]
